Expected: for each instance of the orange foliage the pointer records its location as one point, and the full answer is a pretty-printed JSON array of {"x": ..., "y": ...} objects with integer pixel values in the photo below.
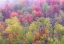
[
  {"x": 36, "y": 37},
  {"x": 1, "y": 26},
  {"x": 12, "y": 36}
]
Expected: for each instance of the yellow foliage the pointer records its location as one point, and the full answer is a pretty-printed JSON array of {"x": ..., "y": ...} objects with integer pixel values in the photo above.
[
  {"x": 8, "y": 30},
  {"x": 43, "y": 36},
  {"x": 0, "y": 37}
]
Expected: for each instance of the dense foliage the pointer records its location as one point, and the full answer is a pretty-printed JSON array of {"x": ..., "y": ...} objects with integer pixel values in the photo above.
[{"x": 27, "y": 22}]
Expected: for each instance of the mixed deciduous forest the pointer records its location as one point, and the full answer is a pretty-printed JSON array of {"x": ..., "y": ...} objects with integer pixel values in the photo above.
[{"x": 32, "y": 22}]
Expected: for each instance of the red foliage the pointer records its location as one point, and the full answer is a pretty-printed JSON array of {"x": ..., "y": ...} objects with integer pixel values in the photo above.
[
  {"x": 38, "y": 14},
  {"x": 28, "y": 18},
  {"x": 21, "y": 19},
  {"x": 13, "y": 14},
  {"x": 36, "y": 37},
  {"x": 43, "y": 31},
  {"x": 37, "y": 8},
  {"x": 1, "y": 25},
  {"x": 38, "y": 11}
]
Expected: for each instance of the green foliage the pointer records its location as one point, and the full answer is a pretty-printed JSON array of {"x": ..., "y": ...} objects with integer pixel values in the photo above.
[
  {"x": 41, "y": 20},
  {"x": 61, "y": 13},
  {"x": 59, "y": 28},
  {"x": 58, "y": 18},
  {"x": 1, "y": 39},
  {"x": 50, "y": 40},
  {"x": 40, "y": 42},
  {"x": 24, "y": 9},
  {"x": 62, "y": 40},
  {"x": 5, "y": 41},
  {"x": 45, "y": 7},
  {"x": 18, "y": 41},
  {"x": 47, "y": 24},
  {"x": 34, "y": 26},
  {"x": 19, "y": 30},
  {"x": 30, "y": 37},
  {"x": 16, "y": 33},
  {"x": 17, "y": 7},
  {"x": 26, "y": 26},
  {"x": 12, "y": 21},
  {"x": 56, "y": 42},
  {"x": 15, "y": 27},
  {"x": 62, "y": 16},
  {"x": 29, "y": 9},
  {"x": 1, "y": 17}
]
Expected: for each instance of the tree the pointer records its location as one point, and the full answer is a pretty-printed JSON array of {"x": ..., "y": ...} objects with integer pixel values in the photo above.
[
  {"x": 47, "y": 24},
  {"x": 38, "y": 14},
  {"x": 34, "y": 26},
  {"x": 45, "y": 7},
  {"x": 13, "y": 14},
  {"x": 62, "y": 39},
  {"x": 17, "y": 7},
  {"x": 29, "y": 18},
  {"x": 30, "y": 37},
  {"x": 37, "y": 8},
  {"x": 50, "y": 41},
  {"x": 58, "y": 19},
  {"x": 59, "y": 28},
  {"x": 1, "y": 16},
  {"x": 41, "y": 20},
  {"x": 55, "y": 9},
  {"x": 62, "y": 16},
  {"x": 12, "y": 21}
]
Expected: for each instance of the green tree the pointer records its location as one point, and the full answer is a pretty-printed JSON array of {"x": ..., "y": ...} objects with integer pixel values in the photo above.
[
  {"x": 62, "y": 40},
  {"x": 30, "y": 37},
  {"x": 1, "y": 17},
  {"x": 59, "y": 28},
  {"x": 57, "y": 42},
  {"x": 34, "y": 26},
  {"x": 50, "y": 41},
  {"x": 16, "y": 30},
  {"x": 47, "y": 24},
  {"x": 45, "y": 7}
]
